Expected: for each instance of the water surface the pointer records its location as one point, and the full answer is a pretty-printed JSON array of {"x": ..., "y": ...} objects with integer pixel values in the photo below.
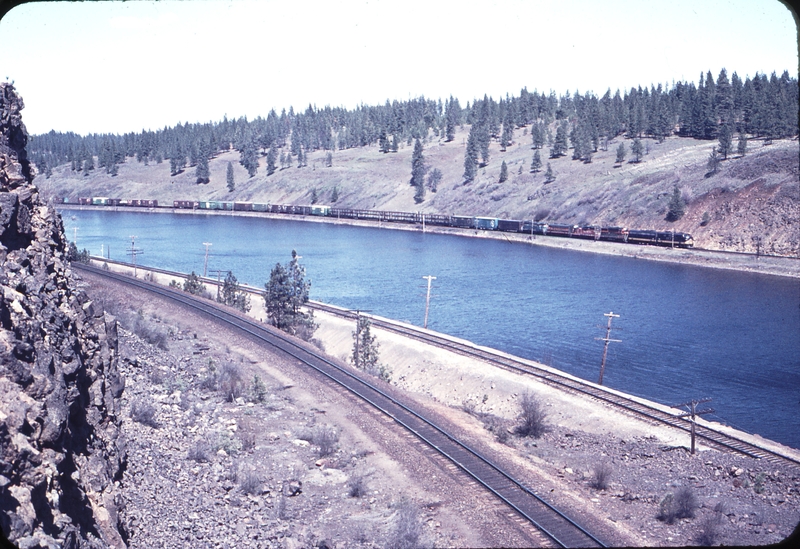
[{"x": 687, "y": 332}]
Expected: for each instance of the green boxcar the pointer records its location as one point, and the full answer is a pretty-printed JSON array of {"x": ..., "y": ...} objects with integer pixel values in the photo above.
[
  {"x": 320, "y": 210},
  {"x": 99, "y": 201},
  {"x": 487, "y": 223}
]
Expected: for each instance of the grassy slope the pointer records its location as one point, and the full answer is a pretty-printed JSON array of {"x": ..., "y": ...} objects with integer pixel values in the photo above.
[{"x": 751, "y": 197}]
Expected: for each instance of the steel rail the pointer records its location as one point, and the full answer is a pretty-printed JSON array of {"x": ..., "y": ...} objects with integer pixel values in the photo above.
[
  {"x": 569, "y": 528},
  {"x": 711, "y": 436}
]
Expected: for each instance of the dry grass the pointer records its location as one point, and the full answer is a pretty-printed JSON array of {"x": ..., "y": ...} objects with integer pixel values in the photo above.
[{"x": 600, "y": 192}]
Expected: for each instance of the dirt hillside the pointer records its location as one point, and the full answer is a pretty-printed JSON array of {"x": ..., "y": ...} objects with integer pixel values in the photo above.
[{"x": 750, "y": 204}]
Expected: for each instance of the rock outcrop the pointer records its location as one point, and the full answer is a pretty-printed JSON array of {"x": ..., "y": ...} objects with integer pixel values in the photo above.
[{"x": 61, "y": 452}]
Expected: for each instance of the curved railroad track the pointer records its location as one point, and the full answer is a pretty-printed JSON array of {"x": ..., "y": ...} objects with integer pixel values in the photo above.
[
  {"x": 558, "y": 527},
  {"x": 710, "y": 436}
]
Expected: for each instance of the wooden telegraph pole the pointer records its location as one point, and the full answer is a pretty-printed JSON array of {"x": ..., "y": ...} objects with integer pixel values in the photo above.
[
  {"x": 205, "y": 263},
  {"x": 607, "y": 340},
  {"x": 693, "y": 411},
  {"x": 428, "y": 299},
  {"x": 219, "y": 275},
  {"x": 133, "y": 251}
]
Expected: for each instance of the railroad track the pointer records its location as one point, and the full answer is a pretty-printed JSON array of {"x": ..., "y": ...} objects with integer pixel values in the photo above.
[
  {"x": 710, "y": 436},
  {"x": 557, "y": 526}
]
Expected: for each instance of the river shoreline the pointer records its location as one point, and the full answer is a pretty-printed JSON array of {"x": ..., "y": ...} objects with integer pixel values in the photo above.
[{"x": 770, "y": 265}]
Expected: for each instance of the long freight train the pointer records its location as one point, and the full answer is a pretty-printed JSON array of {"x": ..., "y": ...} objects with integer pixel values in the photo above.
[{"x": 587, "y": 232}]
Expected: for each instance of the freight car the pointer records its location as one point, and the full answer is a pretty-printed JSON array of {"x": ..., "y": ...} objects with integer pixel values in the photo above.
[{"x": 589, "y": 232}]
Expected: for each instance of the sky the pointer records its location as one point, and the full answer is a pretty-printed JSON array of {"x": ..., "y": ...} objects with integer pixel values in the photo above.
[{"x": 116, "y": 67}]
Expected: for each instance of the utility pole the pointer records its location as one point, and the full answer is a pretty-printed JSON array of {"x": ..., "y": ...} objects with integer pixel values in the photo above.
[
  {"x": 607, "y": 340},
  {"x": 205, "y": 263},
  {"x": 133, "y": 252},
  {"x": 428, "y": 299},
  {"x": 219, "y": 274},
  {"x": 693, "y": 411}
]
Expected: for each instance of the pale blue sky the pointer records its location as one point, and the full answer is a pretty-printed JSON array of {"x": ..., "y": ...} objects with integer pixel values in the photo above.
[{"x": 126, "y": 66}]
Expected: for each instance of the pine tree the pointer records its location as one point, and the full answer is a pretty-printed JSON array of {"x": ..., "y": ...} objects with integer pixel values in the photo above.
[
  {"x": 725, "y": 141},
  {"x": 434, "y": 178},
  {"x": 536, "y": 163},
  {"x": 329, "y": 160},
  {"x": 284, "y": 295},
  {"x": 365, "y": 351},
  {"x": 677, "y": 205},
  {"x": 741, "y": 146},
  {"x": 418, "y": 172},
  {"x": 383, "y": 141},
  {"x": 335, "y": 194},
  {"x": 229, "y": 178},
  {"x": 549, "y": 176},
  {"x": 272, "y": 156},
  {"x": 503, "y": 172},
  {"x": 508, "y": 131},
  {"x": 202, "y": 172},
  {"x": 471, "y": 155},
  {"x": 621, "y": 152},
  {"x": 232, "y": 295},
  {"x": 560, "y": 145},
  {"x": 713, "y": 161},
  {"x": 637, "y": 150},
  {"x": 249, "y": 158}
]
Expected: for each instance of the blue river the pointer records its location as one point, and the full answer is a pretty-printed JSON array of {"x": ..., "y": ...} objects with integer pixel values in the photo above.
[{"x": 686, "y": 332}]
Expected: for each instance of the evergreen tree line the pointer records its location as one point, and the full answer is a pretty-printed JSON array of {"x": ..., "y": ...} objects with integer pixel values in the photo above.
[{"x": 765, "y": 107}]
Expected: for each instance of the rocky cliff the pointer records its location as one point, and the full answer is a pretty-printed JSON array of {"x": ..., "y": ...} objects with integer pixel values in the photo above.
[{"x": 60, "y": 446}]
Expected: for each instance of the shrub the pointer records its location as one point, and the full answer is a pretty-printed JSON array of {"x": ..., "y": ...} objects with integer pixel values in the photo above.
[
  {"x": 685, "y": 503},
  {"x": 258, "y": 389},
  {"x": 496, "y": 426},
  {"x": 199, "y": 452},
  {"x": 678, "y": 506},
  {"x": 325, "y": 438},
  {"x": 231, "y": 384},
  {"x": 250, "y": 483},
  {"x": 602, "y": 474},
  {"x": 211, "y": 381},
  {"x": 758, "y": 483},
  {"x": 407, "y": 530},
  {"x": 146, "y": 331},
  {"x": 144, "y": 412},
  {"x": 709, "y": 527},
  {"x": 533, "y": 417},
  {"x": 357, "y": 485}
]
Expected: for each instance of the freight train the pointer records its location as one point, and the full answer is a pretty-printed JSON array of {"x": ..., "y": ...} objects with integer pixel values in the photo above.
[{"x": 587, "y": 232}]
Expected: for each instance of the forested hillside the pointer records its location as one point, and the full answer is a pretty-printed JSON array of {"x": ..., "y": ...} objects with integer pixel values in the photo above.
[{"x": 718, "y": 158}]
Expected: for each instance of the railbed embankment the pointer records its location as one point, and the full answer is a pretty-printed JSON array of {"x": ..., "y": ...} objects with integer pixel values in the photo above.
[{"x": 419, "y": 367}]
